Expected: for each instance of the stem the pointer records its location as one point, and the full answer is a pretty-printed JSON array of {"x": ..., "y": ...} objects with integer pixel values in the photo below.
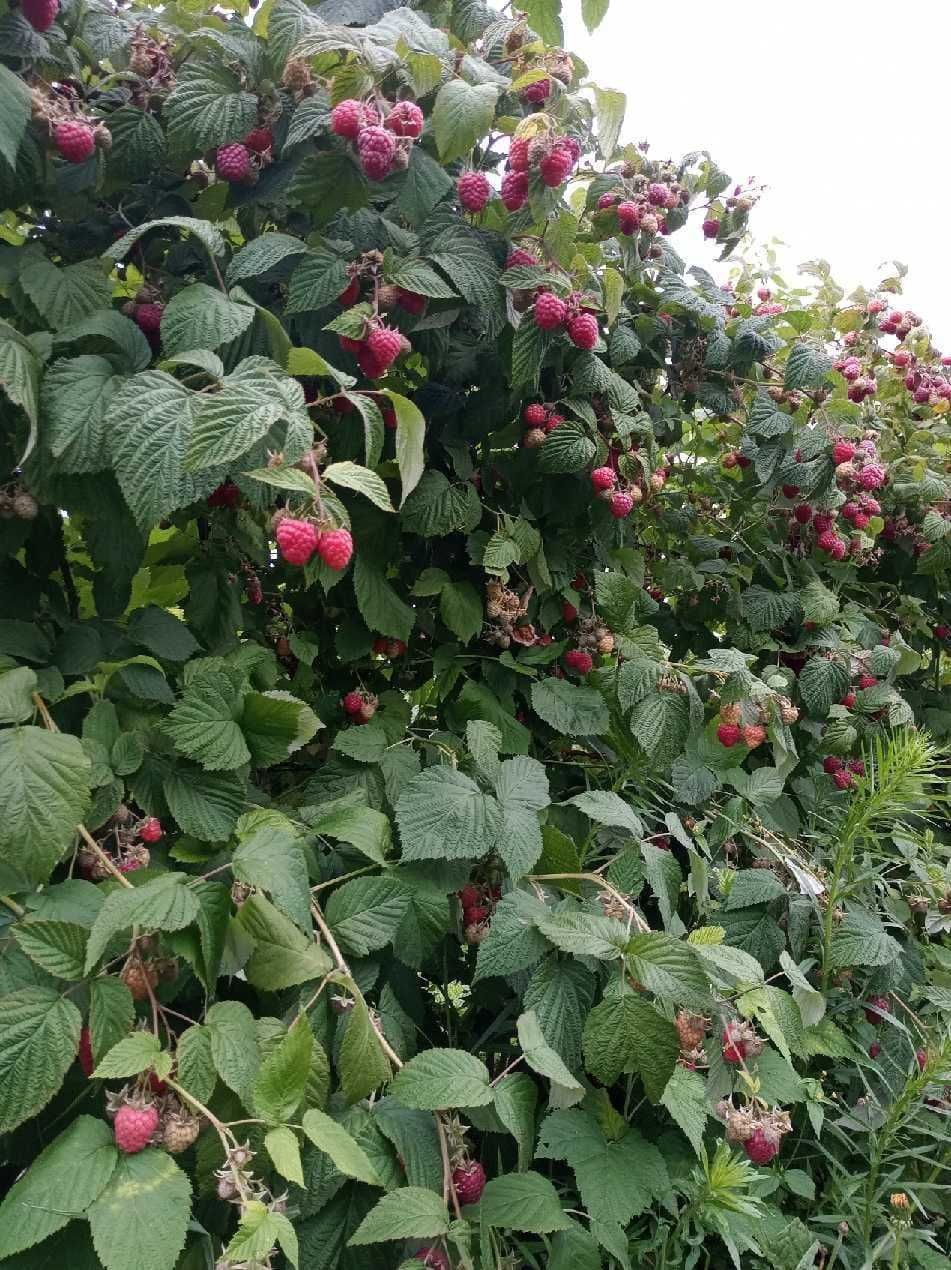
[
  {"x": 448, "y": 1185},
  {"x": 635, "y": 917},
  {"x": 12, "y": 905}
]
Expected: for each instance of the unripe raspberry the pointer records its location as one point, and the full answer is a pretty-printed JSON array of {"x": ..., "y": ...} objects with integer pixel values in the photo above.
[
  {"x": 41, "y": 14},
  {"x": 74, "y": 140},
  {"x": 621, "y": 505},
  {"x": 474, "y": 191},
  {"x": 733, "y": 1045},
  {"x": 260, "y": 140},
  {"x": 353, "y": 703},
  {"x": 650, "y": 223},
  {"x": 550, "y": 311},
  {"x": 731, "y": 459},
  {"x": 150, "y": 830},
  {"x": 583, "y": 330},
  {"x": 384, "y": 345},
  {"x": 179, "y": 1132},
  {"x": 133, "y": 1127},
  {"x": 875, "y": 1007},
  {"x": 628, "y": 217},
  {"x": 731, "y": 712},
  {"x": 410, "y": 301},
  {"x": 803, "y": 514},
  {"x": 233, "y": 163},
  {"x": 711, "y": 227},
  {"x": 534, "y": 438},
  {"x": 534, "y": 415},
  {"x": 346, "y": 119},
  {"x": 84, "y": 1053},
  {"x": 515, "y": 190},
  {"x": 518, "y": 154},
  {"x": 753, "y": 735},
  {"x": 469, "y": 1181},
  {"x": 377, "y": 148},
  {"x": 603, "y": 478},
  {"x": 843, "y": 780},
  {"x": 335, "y": 548},
  {"x": 728, "y": 734},
  {"x": 536, "y": 93},
  {"x": 405, "y": 119},
  {"x": 518, "y": 258},
  {"x": 760, "y": 1148},
  {"x": 578, "y": 660},
  {"x": 296, "y": 540},
  {"x": 556, "y": 167},
  {"x": 832, "y": 764},
  {"x": 842, "y": 451},
  {"x": 872, "y": 476}
]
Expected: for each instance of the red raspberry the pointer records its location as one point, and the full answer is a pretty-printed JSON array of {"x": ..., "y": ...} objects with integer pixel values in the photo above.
[
  {"x": 350, "y": 294},
  {"x": 389, "y": 418},
  {"x": 385, "y": 345},
  {"x": 860, "y": 520},
  {"x": 84, "y": 1053},
  {"x": 831, "y": 764},
  {"x": 410, "y": 301},
  {"x": 353, "y": 702},
  {"x": 233, "y": 163},
  {"x": 377, "y": 149},
  {"x": 603, "y": 478},
  {"x": 380, "y": 644},
  {"x": 259, "y": 140},
  {"x": 843, "y": 451},
  {"x": 550, "y": 311},
  {"x": 556, "y": 167},
  {"x": 534, "y": 94},
  {"x": 849, "y": 510},
  {"x": 731, "y": 459},
  {"x": 848, "y": 700},
  {"x": 822, "y": 522},
  {"x": 867, "y": 681},
  {"x": 469, "y": 1181},
  {"x": 606, "y": 201},
  {"x": 474, "y": 191},
  {"x": 517, "y": 258},
  {"x": 728, "y": 734},
  {"x": 41, "y": 14},
  {"x": 568, "y": 611},
  {"x": 296, "y": 540},
  {"x": 554, "y": 421},
  {"x": 628, "y": 217},
  {"x": 405, "y": 119},
  {"x": 350, "y": 345},
  {"x": 875, "y": 1007},
  {"x": 396, "y": 648},
  {"x": 827, "y": 540},
  {"x": 839, "y": 549},
  {"x": 534, "y": 415},
  {"x": 369, "y": 363},
  {"x": 475, "y": 915},
  {"x": 941, "y": 632},
  {"x": 514, "y": 190},
  {"x": 150, "y": 830},
  {"x": 335, "y": 548},
  {"x": 803, "y": 514},
  {"x": 433, "y": 1257},
  {"x": 518, "y": 154},
  {"x": 621, "y": 505},
  {"x": 578, "y": 660},
  {"x": 133, "y": 1127},
  {"x": 733, "y": 1044},
  {"x": 469, "y": 896},
  {"x": 790, "y": 491},
  {"x": 74, "y": 140},
  {"x": 874, "y": 1050},
  {"x": 753, "y": 735},
  {"x": 872, "y": 476},
  {"x": 253, "y": 591},
  {"x": 148, "y": 318},
  {"x": 583, "y": 330},
  {"x": 346, "y": 118},
  {"x": 711, "y": 227},
  {"x": 760, "y": 1148},
  {"x": 134, "y": 862},
  {"x": 843, "y": 780},
  {"x": 921, "y": 1058},
  {"x": 857, "y": 766}
]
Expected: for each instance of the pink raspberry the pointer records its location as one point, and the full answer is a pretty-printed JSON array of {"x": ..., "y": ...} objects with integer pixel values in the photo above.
[
  {"x": 535, "y": 94},
  {"x": 335, "y": 548},
  {"x": 518, "y": 154},
  {"x": 848, "y": 700},
  {"x": 74, "y": 140},
  {"x": 517, "y": 258},
  {"x": 353, "y": 703},
  {"x": 469, "y": 1179},
  {"x": 148, "y": 318},
  {"x": 790, "y": 491},
  {"x": 729, "y": 734},
  {"x": 875, "y": 1007},
  {"x": 151, "y": 829},
  {"x": 433, "y": 1257},
  {"x": 41, "y": 14},
  {"x": 843, "y": 780},
  {"x": 650, "y": 223},
  {"x": 405, "y": 119},
  {"x": 346, "y": 118},
  {"x": 376, "y": 147},
  {"x": 260, "y": 140},
  {"x": 370, "y": 365},
  {"x": 603, "y": 478},
  {"x": 606, "y": 201},
  {"x": 515, "y": 190},
  {"x": 296, "y": 540},
  {"x": 233, "y": 163},
  {"x": 556, "y": 167},
  {"x": 733, "y": 1045},
  {"x": 550, "y": 311},
  {"x": 872, "y": 476},
  {"x": 822, "y": 522},
  {"x": 842, "y": 452},
  {"x": 578, "y": 660},
  {"x": 621, "y": 505},
  {"x": 84, "y": 1053},
  {"x": 840, "y": 548},
  {"x": 875, "y": 306},
  {"x": 860, "y": 520},
  {"x": 385, "y": 345},
  {"x": 534, "y": 415},
  {"x": 849, "y": 510},
  {"x": 803, "y": 514},
  {"x": 921, "y": 1058},
  {"x": 760, "y": 1148},
  {"x": 871, "y": 506},
  {"x": 628, "y": 217},
  {"x": 133, "y": 1127},
  {"x": 410, "y": 301},
  {"x": 867, "y": 681},
  {"x": 941, "y": 632},
  {"x": 474, "y": 191},
  {"x": 583, "y": 330},
  {"x": 657, "y": 193},
  {"x": 826, "y": 541},
  {"x": 711, "y": 227}
]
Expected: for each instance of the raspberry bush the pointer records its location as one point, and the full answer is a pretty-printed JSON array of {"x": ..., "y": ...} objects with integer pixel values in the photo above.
[{"x": 473, "y": 686}]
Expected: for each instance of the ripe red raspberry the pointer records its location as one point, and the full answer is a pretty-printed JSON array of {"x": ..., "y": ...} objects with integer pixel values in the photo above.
[
  {"x": 410, "y": 301},
  {"x": 860, "y": 520},
  {"x": 550, "y": 311},
  {"x": 803, "y": 514},
  {"x": 606, "y": 201},
  {"x": 827, "y": 540},
  {"x": 350, "y": 294},
  {"x": 857, "y": 766},
  {"x": 822, "y": 522},
  {"x": 259, "y": 140},
  {"x": 534, "y": 94},
  {"x": 469, "y": 895},
  {"x": 556, "y": 167},
  {"x": 370, "y": 365},
  {"x": 335, "y": 548},
  {"x": 389, "y": 418},
  {"x": 475, "y": 915},
  {"x": 711, "y": 227},
  {"x": 433, "y": 1257},
  {"x": 867, "y": 681},
  {"x": 353, "y": 702},
  {"x": 384, "y": 344},
  {"x": 760, "y": 1148},
  {"x": 133, "y": 1127},
  {"x": 41, "y": 14},
  {"x": 150, "y": 830},
  {"x": 514, "y": 190},
  {"x": 84, "y": 1053},
  {"x": 872, "y": 476},
  {"x": 380, "y": 645},
  {"x": 233, "y": 163},
  {"x": 875, "y": 1007},
  {"x": 728, "y": 734},
  {"x": 346, "y": 118},
  {"x": 377, "y": 148},
  {"x": 790, "y": 491},
  {"x": 534, "y": 415},
  {"x": 831, "y": 764},
  {"x": 842, "y": 452},
  {"x": 733, "y": 1044},
  {"x": 941, "y": 632},
  {"x": 148, "y": 318},
  {"x": 603, "y": 478},
  {"x": 405, "y": 119},
  {"x": 578, "y": 660},
  {"x": 226, "y": 495},
  {"x": 474, "y": 191},
  {"x": 621, "y": 505},
  {"x": 628, "y": 217},
  {"x": 848, "y": 700},
  {"x": 554, "y": 421},
  {"x": 296, "y": 540},
  {"x": 74, "y": 140},
  {"x": 517, "y": 258},
  {"x": 349, "y": 345},
  {"x": 874, "y": 1050},
  {"x": 583, "y": 330},
  {"x": 568, "y": 611},
  {"x": 753, "y": 735},
  {"x": 849, "y": 510},
  {"x": 518, "y": 154},
  {"x": 843, "y": 780},
  {"x": 469, "y": 1181}
]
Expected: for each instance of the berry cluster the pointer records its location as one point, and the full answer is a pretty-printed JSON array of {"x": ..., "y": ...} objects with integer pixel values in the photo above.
[
  {"x": 149, "y": 1114},
  {"x": 552, "y": 313},
  {"x": 298, "y": 539},
  {"x": 539, "y": 420},
  {"x": 376, "y": 349},
  {"x": 551, "y": 158},
  {"x": 861, "y": 385},
  {"x": 604, "y": 482},
  {"x": 843, "y": 771},
  {"x": 759, "y": 1131},
  {"x": 478, "y": 900},
  {"x": 642, "y": 210},
  {"x": 383, "y": 142},
  {"x": 739, "y": 1042},
  {"x": 359, "y": 705},
  {"x": 506, "y": 617},
  {"x": 122, "y": 844}
]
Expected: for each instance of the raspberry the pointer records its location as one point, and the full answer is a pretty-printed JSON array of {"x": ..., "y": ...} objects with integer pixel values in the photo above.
[
  {"x": 296, "y": 540},
  {"x": 389, "y": 418},
  {"x": 941, "y": 632},
  {"x": 514, "y": 190},
  {"x": 790, "y": 491},
  {"x": 396, "y": 648},
  {"x": 179, "y": 1132},
  {"x": 578, "y": 660},
  {"x": 533, "y": 438},
  {"x": 133, "y": 1127},
  {"x": 603, "y": 478},
  {"x": 843, "y": 780},
  {"x": 405, "y": 119},
  {"x": 150, "y": 830},
  {"x": 384, "y": 344},
  {"x": 583, "y": 330},
  {"x": 74, "y": 140},
  {"x": 350, "y": 345},
  {"x": 711, "y": 227},
  {"x": 871, "y": 506},
  {"x": 730, "y": 459},
  {"x": 760, "y": 1148},
  {"x": 568, "y": 611},
  {"x": 84, "y": 1053},
  {"x": 849, "y": 510},
  {"x": 410, "y": 301},
  {"x": 550, "y": 311},
  {"x": 137, "y": 858},
  {"x": 148, "y": 318},
  {"x": 803, "y": 514},
  {"x": 369, "y": 363},
  {"x": 535, "y": 94},
  {"x": 139, "y": 977},
  {"x": 346, "y": 118},
  {"x": 857, "y": 766},
  {"x": 733, "y": 1044},
  {"x": 921, "y": 1058},
  {"x": 657, "y": 194},
  {"x": 475, "y": 916},
  {"x": 556, "y": 167},
  {"x": 233, "y": 163},
  {"x": 379, "y": 646},
  {"x": 731, "y": 712},
  {"x": 259, "y": 140},
  {"x": 753, "y": 735},
  {"x": 728, "y": 734},
  {"x": 377, "y": 149},
  {"x": 469, "y": 896},
  {"x": 534, "y": 415},
  {"x": 433, "y": 1257},
  {"x": 860, "y": 520},
  {"x": 368, "y": 708},
  {"x": 848, "y": 700},
  {"x": 827, "y": 540},
  {"x": 350, "y": 294},
  {"x": 831, "y": 764},
  {"x": 874, "y": 1050},
  {"x": 554, "y": 421},
  {"x": 353, "y": 702},
  {"x": 518, "y": 154},
  {"x": 41, "y": 14},
  {"x": 469, "y": 1181},
  {"x": 606, "y": 201},
  {"x": 867, "y": 681},
  {"x": 842, "y": 452},
  {"x": 474, "y": 191},
  {"x": 875, "y": 1007},
  {"x": 649, "y": 223},
  {"x": 839, "y": 548},
  {"x": 335, "y": 548},
  {"x": 822, "y": 522},
  {"x": 517, "y": 258},
  {"x": 872, "y": 476},
  {"x": 621, "y": 505}
]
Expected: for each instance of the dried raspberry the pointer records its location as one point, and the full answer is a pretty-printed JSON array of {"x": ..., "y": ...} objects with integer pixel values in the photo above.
[
  {"x": 556, "y": 167},
  {"x": 179, "y": 1132},
  {"x": 474, "y": 191},
  {"x": 74, "y": 140},
  {"x": 350, "y": 294},
  {"x": 384, "y": 345},
  {"x": 139, "y": 977},
  {"x": 296, "y": 540},
  {"x": 875, "y": 1007},
  {"x": 603, "y": 478},
  {"x": 514, "y": 190},
  {"x": 843, "y": 780},
  {"x": 628, "y": 217},
  {"x": 711, "y": 227},
  {"x": 831, "y": 764},
  {"x": 753, "y": 735},
  {"x": 518, "y": 154},
  {"x": 260, "y": 140},
  {"x": 405, "y": 119},
  {"x": 148, "y": 318},
  {"x": 233, "y": 163},
  {"x": 578, "y": 660},
  {"x": 760, "y": 1148},
  {"x": 550, "y": 311},
  {"x": 469, "y": 1181},
  {"x": 621, "y": 505},
  {"x": 377, "y": 148},
  {"x": 346, "y": 118},
  {"x": 534, "y": 94},
  {"x": 133, "y": 1127},
  {"x": 335, "y": 548},
  {"x": 728, "y": 734},
  {"x": 84, "y": 1053},
  {"x": 433, "y": 1257},
  {"x": 842, "y": 452},
  {"x": 41, "y": 14},
  {"x": 583, "y": 330},
  {"x": 733, "y": 1042},
  {"x": 649, "y": 223},
  {"x": 410, "y": 301},
  {"x": 872, "y": 476}
]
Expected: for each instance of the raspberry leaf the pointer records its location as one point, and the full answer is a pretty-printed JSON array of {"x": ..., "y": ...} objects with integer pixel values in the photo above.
[
  {"x": 441, "y": 1078},
  {"x": 43, "y": 796},
  {"x": 139, "y": 1221},
  {"x": 39, "y": 1033},
  {"x": 408, "y": 1213},
  {"x": 523, "y": 1201},
  {"x": 334, "y": 1140},
  {"x": 462, "y": 113},
  {"x": 282, "y": 1078},
  {"x": 626, "y": 1034},
  {"x": 282, "y": 956}
]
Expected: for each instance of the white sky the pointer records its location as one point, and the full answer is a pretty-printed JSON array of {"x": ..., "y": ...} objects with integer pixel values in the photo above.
[{"x": 840, "y": 108}]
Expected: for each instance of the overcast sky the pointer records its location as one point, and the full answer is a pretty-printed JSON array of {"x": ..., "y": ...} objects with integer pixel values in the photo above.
[{"x": 839, "y": 108}]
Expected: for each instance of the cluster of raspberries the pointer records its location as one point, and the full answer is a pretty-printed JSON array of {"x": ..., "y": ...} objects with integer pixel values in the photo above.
[
  {"x": 744, "y": 721},
  {"x": 383, "y": 142},
  {"x": 298, "y": 539},
  {"x": 360, "y": 706},
  {"x": 145, "y": 1114},
  {"x": 376, "y": 349},
  {"x": 478, "y": 900},
  {"x": 759, "y": 1132},
  {"x": 643, "y": 211},
  {"x": 552, "y": 313},
  {"x": 538, "y": 421},
  {"x": 550, "y": 159},
  {"x": 591, "y": 637},
  {"x": 604, "y": 482},
  {"x": 240, "y": 162}
]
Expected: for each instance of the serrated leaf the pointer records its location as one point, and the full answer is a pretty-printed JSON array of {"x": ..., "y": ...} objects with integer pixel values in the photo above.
[
  {"x": 141, "y": 1217},
  {"x": 43, "y": 797},
  {"x": 14, "y": 113},
  {"x": 685, "y": 1097},
  {"x": 522, "y": 790},
  {"x": 282, "y": 955},
  {"x": 203, "y": 230},
  {"x": 282, "y": 1077},
  {"x": 409, "y": 1213},
  {"x": 39, "y": 1033},
  {"x": 58, "y": 947},
  {"x": 461, "y": 115},
  {"x": 283, "y": 1148},
  {"x": 443, "y": 815},
  {"x": 76, "y": 392},
  {"x": 164, "y": 903},
  {"x": 523, "y": 1201},
  {"x": 194, "y": 1062},
  {"x": 608, "y": 809},
  {"x": 539, "y": 1054},
  {"x": 514, "y": 941},
  {"x": 204, "y": 725},
  {"x": 200, "y": 316},
  {"x": 347, "y": 1154},
  {"x": 438, "y": 1079},
  {"x": 208, "y": 108},
  {"x": 360, "y": 479},
  {"x": 234, "y": 1046},
  {"x": 568, "y": 449},
  {"x": 821, "y": 684},
  {"x": 625, "y": 1034},
  {"x": 111, "y": 1012},
  {"x": 271, "y": 858},
  {"x": 362, "y": 1064},
  {"x": 133, "y": 1054},
  {"x": 585, "y": 934},
  {"x": 64, "y": 296},
  {"x": 569, "y": 709},
  {"x": 380, "y": 606},
  {"x": 365, "y": 913},
  {"x": 806, "y": 367},
  {"x": 667, "y": 966},
  {"x": 460, "y": 607}
]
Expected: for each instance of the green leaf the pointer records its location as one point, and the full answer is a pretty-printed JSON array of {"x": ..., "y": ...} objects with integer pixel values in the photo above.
[
  {"x": 753, "y": 886},
  {"x": 260, "y": 1230},
  {"x": 806, "y": 367},
  {"x": 608, "y": 809},
  {"x": 380, "y": 606},
  {"x": 592, "y": 13},
  {"x": 282, "y": 1077},
  {"x": 59, "y": 948},
  {"x": 138, "y": 143},
  {"x": 262, "y": 254},
  {"x": 362, "y": 1064},
  {"x": 412, "y": 1212},
  {"x": 626, "y": 1035},
  {"x": 204, "y": 725},
  {"x": 778, "y": 1015},
  {"x": 685, "y": 1097},
  {"x": 522, "y": 790},
  {"x": 64, "y": 296},
  {"x": 416, "y": 1139},
  {"x": 462, "y": 114},
  {"x": 539, "y": 1054},
  {"x": 568, "y": 449},
  {"x": 39, "y": 1033},
  {"x": 528, "y": 348},
  {"x": 14, "y": 113},
  {"x": 561, "y": 994},
  {"x": 140, "y": 1219},
  {"x": 20, "y": 380},
  {"x": 276, "y": 725},
  {"x": 460, "y": 607},
  {"x": 133, "y": 1054},
  {"x": 360, "y": 479},
  {"x": 365, "y": 913},
  {"x": 443, "y": 815},
  {"x": 821, "y": 684},
  {"x": 441, "y": 1078},
  {"x": 282, "y": 956},
  {"x": 76, "y": 393},
  {"x": 333, "y": 1139},
  {"x": 43, "y": 797},
  {"x": 366, "y": 829},
  {"x": 271, "y": 858},
  {"x": 164, "y": 903},
  {"x": 410, "y": 436},
  {"x": 667, "y": 966},
  {"x": 436, "y": 508},
  {"x": 660, "y": 723},
  {"x": 207, "y": 108},
  {"x": 200, "y": 316},
  {"x": 318, "y": 279},
  {"x": 234, "y": 1046},
  {"x": 205, "y": 804},
  {"x": 523, "y": 1201},
  {"x": 569, "y": 709},
  {"x": 111, "y": 1012},
  {"x": 514, "y": 941},
  {"x": 611, "y": 107},
  {"x": 860, "y": 941},
  {"x": 585, "y": 934},
  {"x": 194, "y": 1062},
  {"x": 16, "y": 694},
  {"x": 210, "y": 238},
  {"x": 283, "y": 1148}
]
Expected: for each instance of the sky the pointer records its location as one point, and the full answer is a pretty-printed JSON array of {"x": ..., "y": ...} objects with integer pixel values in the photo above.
[{"x": 839, "y": 108}]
